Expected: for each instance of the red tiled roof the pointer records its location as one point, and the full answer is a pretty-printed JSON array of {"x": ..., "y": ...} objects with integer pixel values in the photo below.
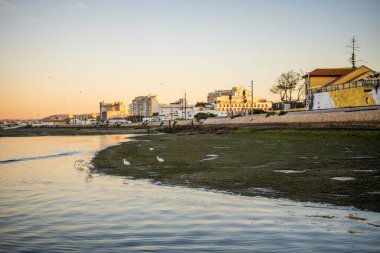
[{"x": 331, "y": 72}]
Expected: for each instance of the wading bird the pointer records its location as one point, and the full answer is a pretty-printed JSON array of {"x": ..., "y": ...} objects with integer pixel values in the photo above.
[
  {"x": 160, "y": 159},
  {"x": 126, "y": 162}
]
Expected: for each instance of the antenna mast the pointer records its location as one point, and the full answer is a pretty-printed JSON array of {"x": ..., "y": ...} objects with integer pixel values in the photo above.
[{"x": 354, "y": 45}]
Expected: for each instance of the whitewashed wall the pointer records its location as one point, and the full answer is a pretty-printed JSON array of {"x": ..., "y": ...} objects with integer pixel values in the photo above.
[
  {"x": 375, "y": 93},
  {"x": 322, "y": 101}
]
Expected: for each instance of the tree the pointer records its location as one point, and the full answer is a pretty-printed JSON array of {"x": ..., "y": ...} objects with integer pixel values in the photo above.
[
  {"x": 289, "y": 86},
  {"x": 201, "y": 105}
]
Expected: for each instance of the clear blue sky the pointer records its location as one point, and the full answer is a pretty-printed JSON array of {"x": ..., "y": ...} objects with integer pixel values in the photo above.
[{"x": 66, "y": 56}]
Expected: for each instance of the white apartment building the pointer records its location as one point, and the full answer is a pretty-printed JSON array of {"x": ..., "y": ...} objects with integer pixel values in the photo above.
[{"x": 145, "y": 106}]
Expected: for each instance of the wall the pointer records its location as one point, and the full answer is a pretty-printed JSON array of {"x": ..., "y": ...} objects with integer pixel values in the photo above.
[
  {"x": 352, "y": 97},
  {"x": 361, "y": 96},
  {"x": 368, "y": 118},
  {"x": 323, "y": 101},
  {"x": 155, "y": 105},
  {"x": 317, "y": 81},
  {"x": 375, "y": 93}
]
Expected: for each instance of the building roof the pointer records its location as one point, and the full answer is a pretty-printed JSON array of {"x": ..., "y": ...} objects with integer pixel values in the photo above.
[
  {"x": 348, "y": 77},
  {"x": 331, "y": 72}
]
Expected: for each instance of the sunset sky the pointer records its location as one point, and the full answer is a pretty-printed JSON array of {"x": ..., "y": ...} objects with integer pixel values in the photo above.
[{"x": 67, "y": 56}]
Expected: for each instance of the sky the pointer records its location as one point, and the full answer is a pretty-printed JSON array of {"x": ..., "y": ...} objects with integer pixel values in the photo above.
[{"x": 66, "y": 56}]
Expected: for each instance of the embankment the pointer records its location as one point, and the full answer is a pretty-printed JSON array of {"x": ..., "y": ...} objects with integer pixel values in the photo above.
[
  {"x": 357, "y": 119},
  {"x": 369, "y": 119}
]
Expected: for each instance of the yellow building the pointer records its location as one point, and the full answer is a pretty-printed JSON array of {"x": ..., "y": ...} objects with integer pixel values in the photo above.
[
  {"x": 237, "y": 99},
  {"x": 111, "y": 110},
  {"x": 344, "y": 87},
  {"x": 320, "y": 77}
]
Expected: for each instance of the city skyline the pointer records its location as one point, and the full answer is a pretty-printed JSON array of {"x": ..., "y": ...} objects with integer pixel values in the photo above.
[{"x": 67, "y": 56}]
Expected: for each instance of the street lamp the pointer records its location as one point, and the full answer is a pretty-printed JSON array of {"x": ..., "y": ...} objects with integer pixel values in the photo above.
[
  {"x": 251, "y": 86},
  {"x": 244, "y": 102}
]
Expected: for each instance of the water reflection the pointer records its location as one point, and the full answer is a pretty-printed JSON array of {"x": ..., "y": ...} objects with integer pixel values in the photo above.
[{"x": 48, "y": 205}]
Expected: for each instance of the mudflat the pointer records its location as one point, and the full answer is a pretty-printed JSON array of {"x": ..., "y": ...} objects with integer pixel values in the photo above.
[{"x": 340, "y": 167}]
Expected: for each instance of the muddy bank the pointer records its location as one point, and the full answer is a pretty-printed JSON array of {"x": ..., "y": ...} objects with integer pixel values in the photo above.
[{"x": 336, "y": 167}]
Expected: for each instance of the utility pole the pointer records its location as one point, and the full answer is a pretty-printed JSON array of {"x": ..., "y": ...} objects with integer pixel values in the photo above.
[
  {"x": 185, "y": 106},
  {"x": 230, "y": 98},
  {"x": 171, "y": 112},
  {"x": 244, "y": 103},
  {"x": 354, "y": 46},
  {"x": 251, "y": 96}
]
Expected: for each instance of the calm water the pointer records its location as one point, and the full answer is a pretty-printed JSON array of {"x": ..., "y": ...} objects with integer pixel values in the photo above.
[{"x": 48, "y": 205}]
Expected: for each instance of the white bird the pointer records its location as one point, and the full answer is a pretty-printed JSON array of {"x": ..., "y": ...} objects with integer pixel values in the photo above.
[
  {"x": 160, "y": 159},
  {"x": 126, "y": 162},
  {"x": 151, "y": 149}
]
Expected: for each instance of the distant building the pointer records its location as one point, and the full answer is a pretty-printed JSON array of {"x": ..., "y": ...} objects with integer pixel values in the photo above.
[
  {"x": 285, "y": 106},
  {"x": 85, "y": 119},
  {"x": 176, "y": 110},
  {"x": 236, "y": 100},
  {"x": 342, "y": 87},
  {"x": 145, "y": 106},
  {"x": 112, "y": 110},
  {"x": 58, "y": 119},
  {"x": 118, "y": 121}
]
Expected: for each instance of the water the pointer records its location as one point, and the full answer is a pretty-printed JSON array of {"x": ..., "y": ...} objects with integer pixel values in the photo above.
[{"x": 47, "y": 205}]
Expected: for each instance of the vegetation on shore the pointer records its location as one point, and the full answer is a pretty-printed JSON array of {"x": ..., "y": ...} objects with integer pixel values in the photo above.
[{"x": 337, "y": 167}]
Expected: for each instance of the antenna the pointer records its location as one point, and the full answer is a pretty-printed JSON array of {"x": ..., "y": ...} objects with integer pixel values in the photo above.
[{"x": 354, "y": 46}]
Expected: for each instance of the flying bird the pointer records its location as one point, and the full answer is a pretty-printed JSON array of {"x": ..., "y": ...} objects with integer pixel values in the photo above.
[
  {"x": 151, "y": 149},
  {"x": 126, "y": 162},
  {"x": 79, "y": 163},
  {"x": 160, "y": 159}
]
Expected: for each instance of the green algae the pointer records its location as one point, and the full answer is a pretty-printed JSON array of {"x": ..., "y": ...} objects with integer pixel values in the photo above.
[{"x": 294, "y": 164}]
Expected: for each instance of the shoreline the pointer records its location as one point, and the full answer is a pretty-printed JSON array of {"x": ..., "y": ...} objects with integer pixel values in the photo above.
[
  {"x": 364, "y": 119},
  {"x": 208, "y": 161},
  {"x": 71, "y": 131}
]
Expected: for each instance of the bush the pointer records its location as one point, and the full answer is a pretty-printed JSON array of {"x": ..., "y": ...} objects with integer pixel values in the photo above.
[
  {"x": 269, "y": 114},
  {"x": 282, "y": 113},
  {"x": 203, "y": 115},
  {"x": 257, "y": 111}
]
